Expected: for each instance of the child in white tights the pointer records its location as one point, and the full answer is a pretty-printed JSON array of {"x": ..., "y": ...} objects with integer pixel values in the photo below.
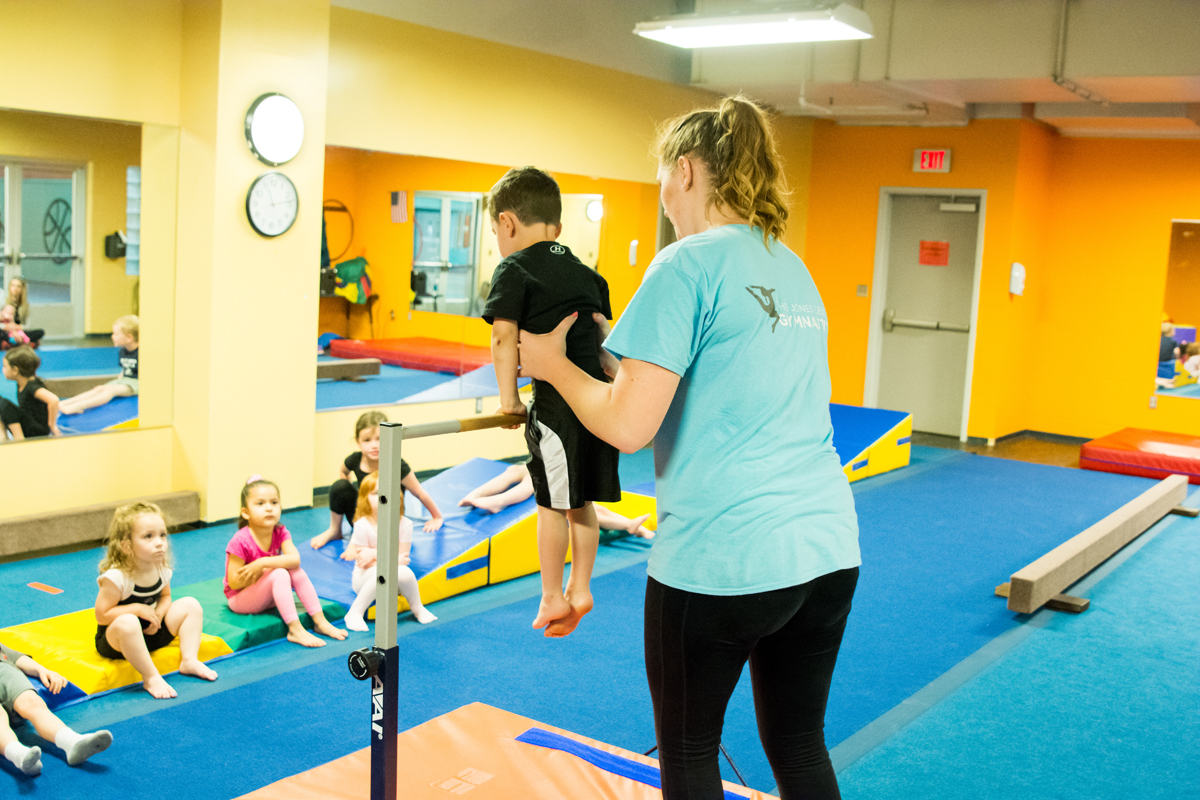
[{"x": 363, "y": 548}]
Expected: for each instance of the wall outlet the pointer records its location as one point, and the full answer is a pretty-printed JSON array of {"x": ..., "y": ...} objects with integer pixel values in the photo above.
[
  {"x": 1154, "y": 401},
  {"x": 862, "y": 290},
  {"x": 393, "y": 314}
]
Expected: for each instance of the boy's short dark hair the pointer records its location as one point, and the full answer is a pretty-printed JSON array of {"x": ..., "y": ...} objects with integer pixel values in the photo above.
[
  {"x": 529, "y": 193},
  {"x": 23, "y": 360}
]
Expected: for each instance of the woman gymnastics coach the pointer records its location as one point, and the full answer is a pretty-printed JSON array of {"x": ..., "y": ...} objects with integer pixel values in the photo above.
[{"x": 724, "y": 363}]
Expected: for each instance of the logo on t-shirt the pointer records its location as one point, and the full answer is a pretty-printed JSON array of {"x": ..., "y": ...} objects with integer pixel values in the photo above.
[
  {"x": 767, "y": 301},
  {"x": 557, "y": 249}
]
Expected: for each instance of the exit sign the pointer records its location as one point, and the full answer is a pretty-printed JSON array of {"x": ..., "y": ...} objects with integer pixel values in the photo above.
[{"x": 931, "y": 161}]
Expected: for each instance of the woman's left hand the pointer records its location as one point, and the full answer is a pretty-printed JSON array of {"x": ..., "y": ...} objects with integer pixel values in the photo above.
[{"x": 540, "y": 353}]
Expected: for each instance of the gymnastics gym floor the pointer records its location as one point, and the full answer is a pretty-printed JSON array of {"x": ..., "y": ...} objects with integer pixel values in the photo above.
[{"x": 940, "y": 692}]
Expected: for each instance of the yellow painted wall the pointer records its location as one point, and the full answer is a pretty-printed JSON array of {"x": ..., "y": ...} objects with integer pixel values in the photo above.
[
  {"x": 403, "y": 88},
  {"x": 117, "y": 60},
  {"x": 105, "y": 149}
]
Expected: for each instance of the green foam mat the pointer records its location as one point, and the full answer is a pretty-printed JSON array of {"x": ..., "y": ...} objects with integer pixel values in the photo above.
[{"x": 241, "y": 631}]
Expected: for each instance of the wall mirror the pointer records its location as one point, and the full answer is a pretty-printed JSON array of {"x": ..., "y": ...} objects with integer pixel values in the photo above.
[{"x": 1179, "y": 353}]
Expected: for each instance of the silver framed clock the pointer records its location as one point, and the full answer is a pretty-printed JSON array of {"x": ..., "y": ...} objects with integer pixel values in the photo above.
[{"x": 272, "y": 204}]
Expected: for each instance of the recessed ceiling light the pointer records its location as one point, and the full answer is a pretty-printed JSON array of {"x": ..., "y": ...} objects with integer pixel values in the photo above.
[
  {"x": 825, "y": 25},
  {"x": 595, "y": 210}
]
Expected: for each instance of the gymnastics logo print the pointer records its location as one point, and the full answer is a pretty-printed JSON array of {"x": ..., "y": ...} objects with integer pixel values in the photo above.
[{"x": 808, "y": 316}]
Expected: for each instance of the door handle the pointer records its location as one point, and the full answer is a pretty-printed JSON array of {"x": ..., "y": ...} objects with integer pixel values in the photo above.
[{"x": 890, "y": 322}]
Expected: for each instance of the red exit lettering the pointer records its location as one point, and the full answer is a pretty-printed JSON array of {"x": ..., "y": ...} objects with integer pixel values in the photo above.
[{"x": 931, "y": 161}]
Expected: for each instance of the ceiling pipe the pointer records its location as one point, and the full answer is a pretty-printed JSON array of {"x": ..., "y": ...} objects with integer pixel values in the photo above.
[{"x": 1060, "y": 64}]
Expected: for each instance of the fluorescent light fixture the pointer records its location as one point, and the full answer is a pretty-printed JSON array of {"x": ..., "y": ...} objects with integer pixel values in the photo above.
[{"x": 824, "y": 25}]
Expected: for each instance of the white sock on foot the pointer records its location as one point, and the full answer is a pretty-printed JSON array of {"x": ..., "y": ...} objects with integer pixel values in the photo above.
[
  {"x": 423, "y": 615},
  {"x": 79, "y": 747},
  {"x": 26, "y": 759},
  {"x": 354, "y": 623}
]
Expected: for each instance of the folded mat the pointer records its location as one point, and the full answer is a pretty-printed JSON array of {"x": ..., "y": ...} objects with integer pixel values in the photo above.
[{"x": 246, "y": 630}]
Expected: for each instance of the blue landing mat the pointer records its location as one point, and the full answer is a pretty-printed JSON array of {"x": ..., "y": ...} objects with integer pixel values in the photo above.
[
  {"x": 856, "y": 428},
  {"x": 114, "y": 412},
  {"x": 392, "y": 385},
  {"x": 1100, "y": 705},
  {"x": 73, "y": 361},
  {"x": 479, "y": 382},
  {"x": 1191, "y": 390}
]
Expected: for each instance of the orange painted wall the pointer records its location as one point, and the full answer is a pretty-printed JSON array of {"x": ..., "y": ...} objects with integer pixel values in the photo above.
[
  {"x": 364, "y": 179},
  {"x": 1091, "y": 221},
  {"x": 1113, "y": 202}
]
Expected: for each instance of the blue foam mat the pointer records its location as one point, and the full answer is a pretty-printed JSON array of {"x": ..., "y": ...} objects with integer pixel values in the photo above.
[
  {"x": 114, "y": 412},
  {"x": 68, "y": 361},
  {"x": 856, "y": 428},
  {"x": 479, "y": 382},
  {"x": 392, "y": 385}
]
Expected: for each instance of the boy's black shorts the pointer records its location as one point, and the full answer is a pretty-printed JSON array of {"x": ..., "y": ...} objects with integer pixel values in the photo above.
[{"x": 568, "y": 465}]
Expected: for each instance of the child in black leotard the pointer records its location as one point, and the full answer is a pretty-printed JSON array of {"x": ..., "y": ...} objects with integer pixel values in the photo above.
[
  {"x": 343, "y": 494},
  {"x": 36, "y": 411}
]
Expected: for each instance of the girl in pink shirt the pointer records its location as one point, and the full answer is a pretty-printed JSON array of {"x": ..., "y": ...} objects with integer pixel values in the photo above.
[{"x": 262, "y": 567}]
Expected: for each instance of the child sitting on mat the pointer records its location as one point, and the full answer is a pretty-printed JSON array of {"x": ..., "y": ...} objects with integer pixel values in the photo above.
[
  {"x": 343, "y": 495},
  {"x": 262, "y": 567},
  {"x": 496, "y": 495},
  {"x": 21, "y": 702},
  {"x": 363, "y": 548},
  {"x": 11, "y": 334},
  {"x": 537, "y": 285},
  {"x": 125, "y": 337},
  {"x": 1191, "y": 359},
  {"x": 36, "y": 411},
  {"x": 134, "y": 610}
]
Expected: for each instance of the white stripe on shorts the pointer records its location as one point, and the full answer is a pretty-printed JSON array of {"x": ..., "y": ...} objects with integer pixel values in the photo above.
[{"x": 554, "y": 458}]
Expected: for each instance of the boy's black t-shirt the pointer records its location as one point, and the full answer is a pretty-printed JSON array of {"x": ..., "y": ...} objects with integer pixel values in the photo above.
[
  {"x": 540, "y": 286},
  {"x": 38, "y": 411},
  {"x": 353, "y": 463},
  {"x": 129, "y": 362}
]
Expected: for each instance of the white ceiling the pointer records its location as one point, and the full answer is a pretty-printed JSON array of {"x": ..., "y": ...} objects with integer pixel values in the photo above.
[{"x": 931, "y": 62}]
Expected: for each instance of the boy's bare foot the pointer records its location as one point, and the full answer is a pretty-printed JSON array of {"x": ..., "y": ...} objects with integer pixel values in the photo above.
[
  {"x": 325, "y": 627},
  {"x": 158, "y": 688},
  {"x": 197, "y": 668},
  {"x": 636, "y": 527},
  {"x": 581, "y": 603},
  {"x": 468, "y": 500},
  {"x": 303, "y": 637},
  {"x": 553, "y": 607},
  {"x": 492, "y": 504},
  {"x": 321, "y": 539}
]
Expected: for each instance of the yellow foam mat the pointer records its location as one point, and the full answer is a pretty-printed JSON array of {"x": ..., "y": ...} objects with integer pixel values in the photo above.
[
  {"x": 512, "y": 553},
  {"x": 885, "y": 455},
  {"x": 67, "y": 645}
]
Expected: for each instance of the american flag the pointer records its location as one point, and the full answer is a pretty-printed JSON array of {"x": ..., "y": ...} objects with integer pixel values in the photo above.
[{"x": 399, "y": 206}]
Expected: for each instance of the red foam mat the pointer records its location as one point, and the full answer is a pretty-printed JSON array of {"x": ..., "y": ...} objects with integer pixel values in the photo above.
[
  {"x": 433, "y": 355},
  {"x": 1149, "y": 454}
]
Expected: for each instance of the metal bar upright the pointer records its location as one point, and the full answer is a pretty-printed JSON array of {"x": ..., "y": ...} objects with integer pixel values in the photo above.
[{"x": 385, "y": 688}]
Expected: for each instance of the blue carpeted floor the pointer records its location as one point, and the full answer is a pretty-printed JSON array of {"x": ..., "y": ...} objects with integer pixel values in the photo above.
[
  {"x": 391, "y": 385},
  {"x": 936, "y": 539}
]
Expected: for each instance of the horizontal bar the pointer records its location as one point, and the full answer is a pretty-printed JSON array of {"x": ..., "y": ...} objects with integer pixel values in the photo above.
[{"x": 456, "y": 425}]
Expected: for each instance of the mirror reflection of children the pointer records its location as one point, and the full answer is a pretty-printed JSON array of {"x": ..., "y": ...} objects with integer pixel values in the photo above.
[
  {"x": 125, "y": 332},
  {"x": 134, "y": 610},
  {"x": 21, "y": 702},
  {"x": 515, "y": 486},
  {"x": 262, "y": 567},
  {"x": 364, "y": 547},
  {"x": 11, "y": 334},
  {"x": 343, "y": 494},
  {"x": 36, "y": 411},
  {"x": 1191, "y": 359}
]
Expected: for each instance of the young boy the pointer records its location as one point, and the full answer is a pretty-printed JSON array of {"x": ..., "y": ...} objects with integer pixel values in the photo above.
[
  {"x": 36, "y": 410},
  {"x": 125, "y": 337},
  {"x": 21, "y": 702},
  {"x": 536, "y": 286}
]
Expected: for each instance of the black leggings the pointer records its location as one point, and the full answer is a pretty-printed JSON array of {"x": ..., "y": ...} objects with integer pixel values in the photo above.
[
  {"x": 343, "y": 499},
  {"x": 12, "y": 414},
  {"x": 696, "y": 646}
]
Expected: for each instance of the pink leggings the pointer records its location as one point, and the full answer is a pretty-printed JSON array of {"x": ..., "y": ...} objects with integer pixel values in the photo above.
[{"x": 274, "y": 588}]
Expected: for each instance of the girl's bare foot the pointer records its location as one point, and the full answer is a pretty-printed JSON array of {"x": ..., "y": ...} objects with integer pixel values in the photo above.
[
  {"x": 158, "y": 688},
  {"x": 581, "y": 603},
  {"x": 636, "y": 527},
  {"x": 303, "y": 637},
  {"x": 553, "y": 607},
  {"x": 322, "y": 539},
  {"x": 323, "y": 626},
  {"x": 468, "y": 500},
  {"x": 197, "y": 668}
]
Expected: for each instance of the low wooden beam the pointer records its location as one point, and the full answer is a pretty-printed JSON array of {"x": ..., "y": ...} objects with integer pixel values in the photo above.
[
  {"x": 348, "y": 369},
  {"x": 69, "y": 387},
  {"x": 1034, "y": 585},
  {"x": 1060, "y": 602}
]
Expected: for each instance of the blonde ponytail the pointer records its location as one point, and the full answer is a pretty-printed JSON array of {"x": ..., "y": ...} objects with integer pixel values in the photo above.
[{"x": 735, "y": 143}]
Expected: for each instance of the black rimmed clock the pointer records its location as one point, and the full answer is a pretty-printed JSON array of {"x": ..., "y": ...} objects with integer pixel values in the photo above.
[{"x": 272, "y": 204}]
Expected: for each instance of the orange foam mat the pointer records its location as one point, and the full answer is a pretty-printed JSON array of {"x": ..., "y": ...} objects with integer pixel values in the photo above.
[{"x": 474, "y": 751}]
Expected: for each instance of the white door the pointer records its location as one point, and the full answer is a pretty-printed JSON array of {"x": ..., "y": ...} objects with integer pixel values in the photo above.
[
  {"x": 43, "y": 212},
  {"x": 931, "y": 256}
]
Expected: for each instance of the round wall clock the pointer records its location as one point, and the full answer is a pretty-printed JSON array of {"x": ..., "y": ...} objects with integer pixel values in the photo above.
[
  {"x": 272, "y": 204},
  {"x": 274, "y": 129}
]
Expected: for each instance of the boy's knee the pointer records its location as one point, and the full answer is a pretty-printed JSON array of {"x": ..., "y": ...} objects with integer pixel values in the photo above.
[{"x": 28, "y": 703}]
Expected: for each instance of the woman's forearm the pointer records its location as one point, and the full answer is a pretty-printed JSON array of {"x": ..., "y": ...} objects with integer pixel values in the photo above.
[{"x": 607, "y": 410}]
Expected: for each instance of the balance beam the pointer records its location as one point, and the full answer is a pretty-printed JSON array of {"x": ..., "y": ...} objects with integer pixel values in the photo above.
[
  {"x": 1042, "y": 581},
  {"x": 86, "y": 523},
  {"x": 69, "y": 387},
  {"x": 348, "y": 369}
]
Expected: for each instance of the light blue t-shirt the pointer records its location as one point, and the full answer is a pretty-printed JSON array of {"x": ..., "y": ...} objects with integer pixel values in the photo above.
[{"x": 751, "y": 495}]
